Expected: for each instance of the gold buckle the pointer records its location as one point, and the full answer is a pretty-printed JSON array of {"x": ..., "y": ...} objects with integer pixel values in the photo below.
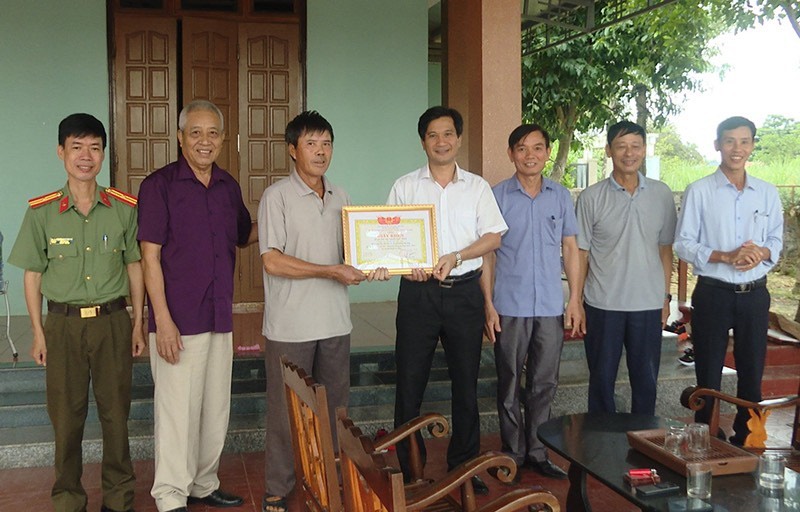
[{"x": 90, "y": 312}]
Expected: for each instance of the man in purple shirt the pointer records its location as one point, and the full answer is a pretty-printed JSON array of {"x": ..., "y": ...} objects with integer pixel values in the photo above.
[
  {"x": 191, "y": 218},
  {"x": 521, "y": 283}
]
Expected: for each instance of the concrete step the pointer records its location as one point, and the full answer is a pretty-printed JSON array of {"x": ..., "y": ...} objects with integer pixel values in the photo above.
[{"x": 26, "y": 437}]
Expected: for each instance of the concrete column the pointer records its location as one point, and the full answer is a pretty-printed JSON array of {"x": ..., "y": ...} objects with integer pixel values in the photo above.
[{"x": 483, "y": 79}]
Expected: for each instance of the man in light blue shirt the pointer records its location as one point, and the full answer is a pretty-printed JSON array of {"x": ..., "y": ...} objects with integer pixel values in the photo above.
[
  {"x": 525, "y": 307},
  {"x": 731, "y": 231}
]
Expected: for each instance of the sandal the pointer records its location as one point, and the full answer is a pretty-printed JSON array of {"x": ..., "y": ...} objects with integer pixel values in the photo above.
[{"x": 272, "y": 503}]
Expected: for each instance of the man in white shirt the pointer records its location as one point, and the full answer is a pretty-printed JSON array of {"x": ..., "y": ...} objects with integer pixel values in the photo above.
[{"x": 446, "y": 305}]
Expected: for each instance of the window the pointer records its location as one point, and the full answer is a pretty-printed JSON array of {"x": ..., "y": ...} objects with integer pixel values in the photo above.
[
  {"x": 210, "y": 5},
  {"x": 273, "y": 5}
]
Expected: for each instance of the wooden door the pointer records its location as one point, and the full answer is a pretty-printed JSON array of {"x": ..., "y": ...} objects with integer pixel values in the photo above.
[
  {"x": 270, "y": 92},
  {"x": 251, "y": 71},
  {"x": 210, "y": 71},
  {"x": 145, "y": 106}
]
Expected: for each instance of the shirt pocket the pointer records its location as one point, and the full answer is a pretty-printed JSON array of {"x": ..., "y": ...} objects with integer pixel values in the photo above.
[
  {"x": 111, "y": 244},
  {"x": 552, "y": 230},
  {"x": 760, "y": 228},
  {"x": 61, "y": 252}
]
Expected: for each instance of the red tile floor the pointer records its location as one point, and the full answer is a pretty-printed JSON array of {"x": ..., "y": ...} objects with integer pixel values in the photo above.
[{"x": 28, "y": 489}]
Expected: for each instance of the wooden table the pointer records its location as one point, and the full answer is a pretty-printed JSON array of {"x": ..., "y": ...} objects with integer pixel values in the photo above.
[{"x": 596, "y": 444}]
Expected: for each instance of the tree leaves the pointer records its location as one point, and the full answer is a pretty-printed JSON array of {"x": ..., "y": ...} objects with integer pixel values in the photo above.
[{"x": 589, "y": 82}]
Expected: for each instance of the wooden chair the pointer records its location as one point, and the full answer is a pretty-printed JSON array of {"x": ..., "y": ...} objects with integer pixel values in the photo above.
[
  {"x": 694, "y": 398},
  {"x": 370, "y": 485},
  {"x": 312, "y": 439}
]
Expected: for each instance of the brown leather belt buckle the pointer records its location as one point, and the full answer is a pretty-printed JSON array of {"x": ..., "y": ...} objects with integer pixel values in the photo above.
[{"x": 90, "y": 312}]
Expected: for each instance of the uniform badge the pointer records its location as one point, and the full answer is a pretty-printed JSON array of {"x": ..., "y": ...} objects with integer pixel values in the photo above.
[
  {"x": 121, "y": 196},
  {"x": 36, "y": 202}
]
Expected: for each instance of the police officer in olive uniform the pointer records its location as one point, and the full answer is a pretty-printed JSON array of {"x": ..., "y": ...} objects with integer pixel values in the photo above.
[{"x": 78, "y": 248}]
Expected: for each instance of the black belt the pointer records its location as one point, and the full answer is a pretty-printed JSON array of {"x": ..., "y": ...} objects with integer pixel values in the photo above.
[
  {"x": 452, "y": 281},
  {"x": 736, "y": 287},
  {"x": 88, "y": 311}
]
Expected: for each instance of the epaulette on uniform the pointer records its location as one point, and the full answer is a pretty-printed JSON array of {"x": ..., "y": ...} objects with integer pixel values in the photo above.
[
  {"x": 36, "y": 202},
  {"x": 122, "y": 197}
]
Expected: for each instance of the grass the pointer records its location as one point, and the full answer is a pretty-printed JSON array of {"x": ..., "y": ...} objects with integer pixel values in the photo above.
[{"x": 678, "y": 174}]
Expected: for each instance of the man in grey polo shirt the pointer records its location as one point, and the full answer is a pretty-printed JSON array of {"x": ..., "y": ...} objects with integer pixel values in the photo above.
[
  {"x": 300, "y": 239},
  {"x": 626, "y": 225}
]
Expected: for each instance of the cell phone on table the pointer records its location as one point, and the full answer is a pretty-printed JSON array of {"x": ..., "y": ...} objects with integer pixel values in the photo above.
[
  {"x": 659, "y": 489},
  {"x": 689, "y": 505}
]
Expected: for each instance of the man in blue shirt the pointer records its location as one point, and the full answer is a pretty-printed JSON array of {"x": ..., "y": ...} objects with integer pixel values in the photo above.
[
  {"x": 731, "y": 231},
  {"x": 521, "y": 283}
]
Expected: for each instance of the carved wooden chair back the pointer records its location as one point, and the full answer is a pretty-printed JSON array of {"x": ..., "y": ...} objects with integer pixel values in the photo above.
[
  {"x": 695, "y": 398},
  {"x": 312, "y": 440},
  {"x": 371, "y": 485}
]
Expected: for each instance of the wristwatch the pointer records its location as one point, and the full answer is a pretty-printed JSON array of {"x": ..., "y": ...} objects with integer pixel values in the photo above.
[
  {"x": 668, "y": 297},
  {"x": 458, "y": 259}
]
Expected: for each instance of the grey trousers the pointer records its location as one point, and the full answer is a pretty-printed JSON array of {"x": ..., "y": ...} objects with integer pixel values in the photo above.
[
  {"x": 535, "y": 342},
  {"x": 328, "y": 362}
]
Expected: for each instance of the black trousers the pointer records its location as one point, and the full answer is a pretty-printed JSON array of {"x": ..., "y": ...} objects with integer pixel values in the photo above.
[
  {"x": 427, "y": 313},
  {"x": 715, "y": 311}
]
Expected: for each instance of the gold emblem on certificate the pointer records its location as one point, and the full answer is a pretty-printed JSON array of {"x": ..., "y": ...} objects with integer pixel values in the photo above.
[{"x": 399, "y": 238}]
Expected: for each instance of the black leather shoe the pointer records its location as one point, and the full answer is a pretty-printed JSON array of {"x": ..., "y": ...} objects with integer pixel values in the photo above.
[
  {"x": 547, "y": 469},
  {"x": 218, "y": 499},
  {"x": 104, "y": 508},
  {"x": 479, "y": 486}
]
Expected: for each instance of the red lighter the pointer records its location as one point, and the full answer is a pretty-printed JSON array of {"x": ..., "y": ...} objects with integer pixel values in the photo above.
[{"x": 636, "y": 477}]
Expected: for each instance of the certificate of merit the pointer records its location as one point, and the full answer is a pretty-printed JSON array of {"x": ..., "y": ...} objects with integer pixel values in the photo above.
[{"x": 398, "y": 238}]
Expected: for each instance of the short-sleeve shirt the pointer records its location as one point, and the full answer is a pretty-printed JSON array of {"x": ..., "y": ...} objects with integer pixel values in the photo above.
[
  {"x": 623, "y": 234},
  {"x": 465, "y": 209},
  {"x": 717, "y": 216},
  {"x": 528, "y": 265},
  {"x": 198, "y": 229},
  {"x": 82, "y": 259},
  {"x": 293, "y": 219}
]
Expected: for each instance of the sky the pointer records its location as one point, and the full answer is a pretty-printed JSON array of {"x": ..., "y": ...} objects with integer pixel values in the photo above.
[{"x": 763, "y": 77}]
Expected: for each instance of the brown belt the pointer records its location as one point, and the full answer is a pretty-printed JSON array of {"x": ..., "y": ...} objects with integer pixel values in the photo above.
[{"x": 88, "y": 311}]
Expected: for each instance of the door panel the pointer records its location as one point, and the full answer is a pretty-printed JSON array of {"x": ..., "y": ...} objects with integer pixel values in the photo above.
[
  {"x": 210, "y": 73},
  {"x": 145, "y": 98},
  {"x": 270, "y": 96}
]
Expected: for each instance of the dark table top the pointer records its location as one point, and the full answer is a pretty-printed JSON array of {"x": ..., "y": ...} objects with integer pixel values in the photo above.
[{"x": 597, "y": 443}]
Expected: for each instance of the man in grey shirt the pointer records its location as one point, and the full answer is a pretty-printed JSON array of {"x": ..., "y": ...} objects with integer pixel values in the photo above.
[
  {"x": 626, "y": 225},
  {"x": 300, "y": 239}
]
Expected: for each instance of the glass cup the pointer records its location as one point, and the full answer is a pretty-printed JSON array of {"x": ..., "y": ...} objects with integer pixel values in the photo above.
[
  {"x": 771, "y": 473},
  {"x": 698, "y": 480},
  {"x": 675, "y": 439},
  {"x": 699, "y": 441},
  {"x": 767, "y": 504}
]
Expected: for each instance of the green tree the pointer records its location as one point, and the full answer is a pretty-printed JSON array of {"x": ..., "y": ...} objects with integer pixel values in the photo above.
[
  {"x": 743, "y": 15},
  {"x": 670, "y": 146},
  {"x": 585, "y": 83},
  {"x": 778, "y": 140}
]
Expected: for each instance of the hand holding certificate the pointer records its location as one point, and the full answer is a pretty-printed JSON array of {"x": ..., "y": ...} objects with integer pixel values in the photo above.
[{"x": 399, "y": 238}]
